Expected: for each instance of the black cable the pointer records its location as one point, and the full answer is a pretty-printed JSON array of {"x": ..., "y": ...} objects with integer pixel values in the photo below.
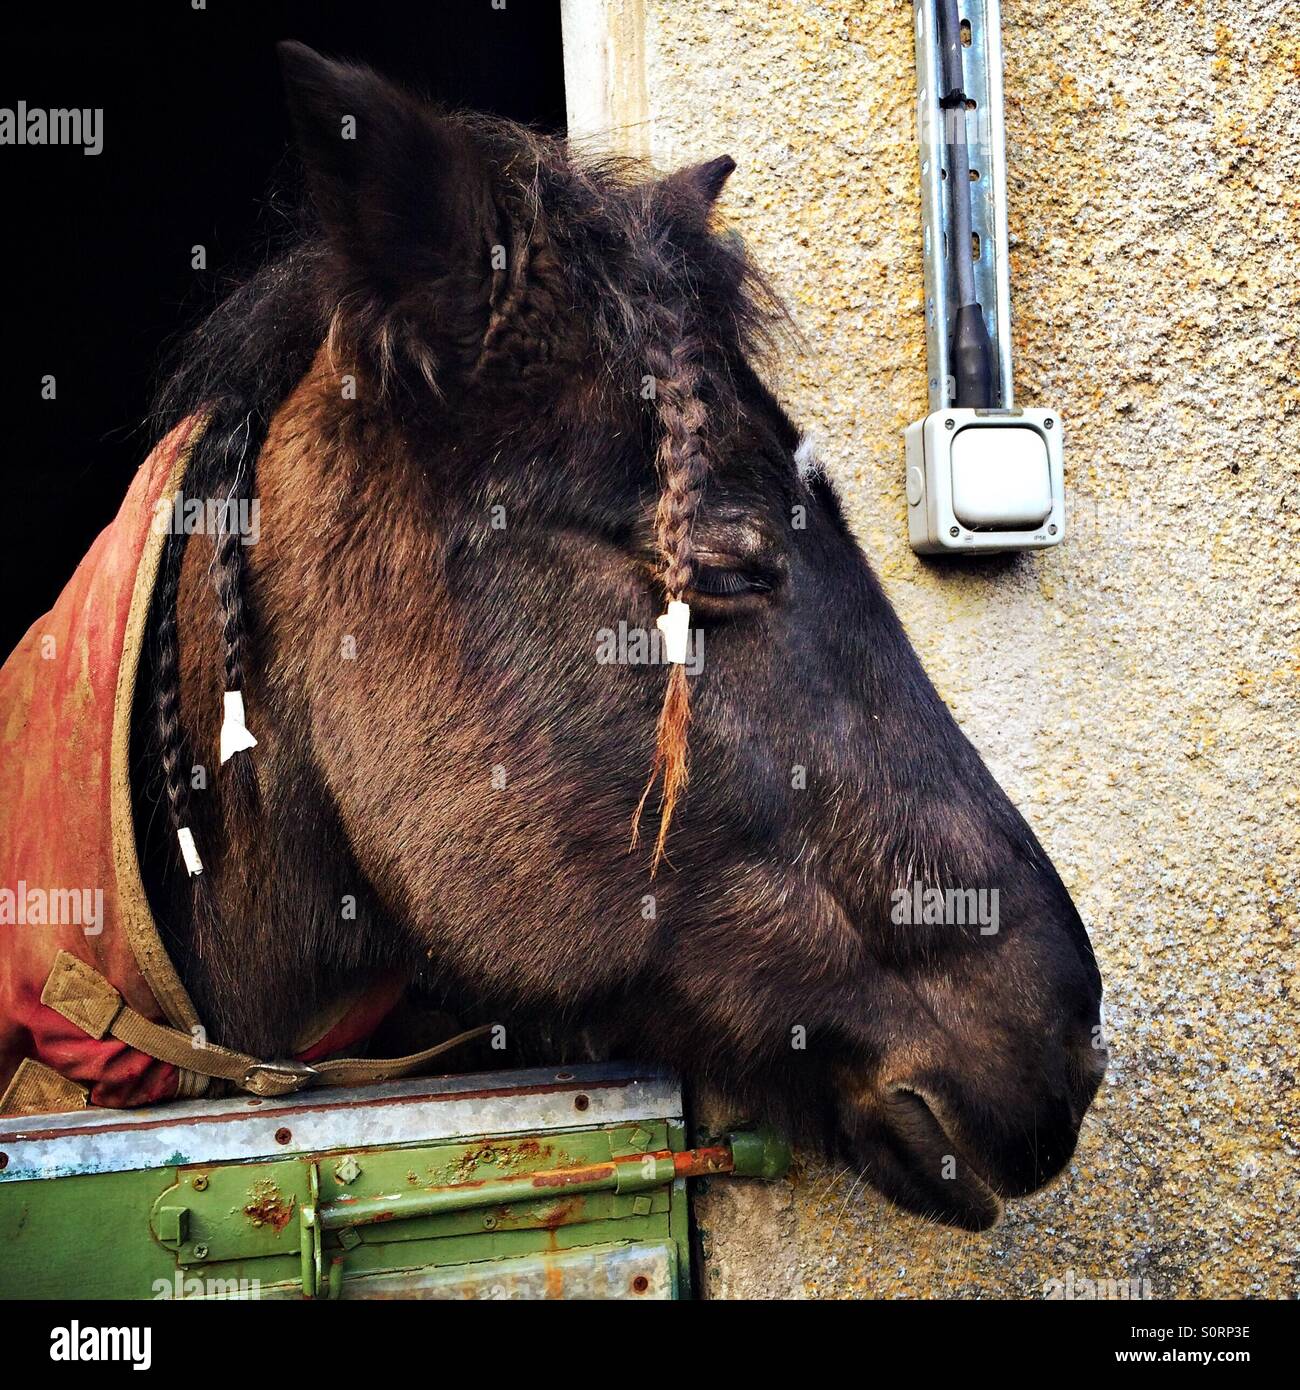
[{"x": 971, "y": 352}]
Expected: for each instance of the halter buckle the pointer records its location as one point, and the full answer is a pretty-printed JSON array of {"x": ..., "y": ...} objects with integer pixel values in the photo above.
[{"x": 277, "y": 1078}]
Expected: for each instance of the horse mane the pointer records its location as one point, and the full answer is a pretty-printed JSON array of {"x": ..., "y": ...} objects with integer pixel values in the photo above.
[
  {"x": 660, "y": 295},
  {"x": 635, "y": 252}
]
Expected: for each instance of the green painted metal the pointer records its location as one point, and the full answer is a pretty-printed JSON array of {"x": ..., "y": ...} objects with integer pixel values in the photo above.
[
  {"x": 382, "y": 1217},
  {"x": 630, "y": 1173},
  {"x": 759, "y": 1153}
]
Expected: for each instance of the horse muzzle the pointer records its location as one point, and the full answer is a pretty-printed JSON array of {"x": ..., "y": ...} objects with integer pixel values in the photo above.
[{"x": 956, "y": 1157}]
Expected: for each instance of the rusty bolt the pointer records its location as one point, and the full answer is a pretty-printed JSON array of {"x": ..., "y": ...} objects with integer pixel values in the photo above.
[
  {"x": 581, "y": 1102},
  {"x": 4, "y": 1162},
  {"x": 640, "y": 1284},
  {"x": 282, "y": 1136}
]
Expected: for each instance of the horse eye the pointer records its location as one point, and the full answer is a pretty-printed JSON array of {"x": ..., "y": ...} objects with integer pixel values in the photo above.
[{"x": 719, "y": 582}]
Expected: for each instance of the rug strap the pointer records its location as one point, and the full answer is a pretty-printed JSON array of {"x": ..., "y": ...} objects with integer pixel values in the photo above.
[{"x": 85, "y": 998}]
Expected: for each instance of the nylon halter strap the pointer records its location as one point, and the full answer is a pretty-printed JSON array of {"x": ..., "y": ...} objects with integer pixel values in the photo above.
[{"x": 79, "y": 993}]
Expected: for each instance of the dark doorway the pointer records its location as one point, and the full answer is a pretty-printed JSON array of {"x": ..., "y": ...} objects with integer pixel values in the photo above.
[{"x": 99, "y": 249}]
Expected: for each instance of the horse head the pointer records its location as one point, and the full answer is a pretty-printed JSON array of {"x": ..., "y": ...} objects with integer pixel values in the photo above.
[{"x": 499, "y": 410}]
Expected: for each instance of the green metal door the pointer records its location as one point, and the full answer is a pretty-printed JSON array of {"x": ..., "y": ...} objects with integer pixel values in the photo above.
[{"x": 532, "y": 1184}]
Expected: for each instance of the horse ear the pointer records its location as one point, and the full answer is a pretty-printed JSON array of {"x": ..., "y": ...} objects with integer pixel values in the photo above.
[
  {"x": 692, "y": 192},
  {"x": 404, "y": 197},
  {"x": 707, "y": 179}
]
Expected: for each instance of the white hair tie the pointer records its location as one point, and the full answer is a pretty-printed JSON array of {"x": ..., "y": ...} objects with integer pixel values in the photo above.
[
  {"x": 235, "y": 737},
  {"x": 189, "y": 851},
  {"x": 675, "y": 625}
]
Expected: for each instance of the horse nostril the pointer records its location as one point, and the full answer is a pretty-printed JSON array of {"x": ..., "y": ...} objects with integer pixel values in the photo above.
[
  {"x": 914, "y": 1117},
  {"x": 910, "y": 1112},
  {"x": 1014, "y": 1148}
]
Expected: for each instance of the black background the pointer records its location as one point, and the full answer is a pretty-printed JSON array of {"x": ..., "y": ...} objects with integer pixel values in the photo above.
[
  {"x": 97, "y": 275},
  {"x": 947, "y": 1336}
]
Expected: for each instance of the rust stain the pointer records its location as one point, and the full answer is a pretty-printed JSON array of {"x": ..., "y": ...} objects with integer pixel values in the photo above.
[
  {"x": 691, "y": 1164},
  {"x": 566, "y": 1177},
  {"x": 508, "y": 1156},
  {"x": 696, "y": 1163},
  {"x": 268, "y": 1207},
  {"x": 562, "y": 1213}
]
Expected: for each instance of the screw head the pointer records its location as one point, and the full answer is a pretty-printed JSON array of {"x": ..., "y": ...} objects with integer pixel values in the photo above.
[
  {"x": 1047, "y": 424},
  {"x": 489, "y": 1223},
  {"x": 200, "y": 1252},
  {"x": 200, "y": 1183},
  {"x": 954, "y": 530},
  {"x": 950, "y": 424},
  {"x": 1051, "y": 530}
]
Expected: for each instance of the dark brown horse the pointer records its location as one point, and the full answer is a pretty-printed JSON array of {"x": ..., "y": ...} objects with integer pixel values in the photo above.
[{"x": 496, "y": 409}]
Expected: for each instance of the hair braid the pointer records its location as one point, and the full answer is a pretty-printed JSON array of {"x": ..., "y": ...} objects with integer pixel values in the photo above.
[
  {"x": 229, "y": 575},
  {"x": 683, "y": 469},
  {"x": 209, "y": 472},
  {"x": 167, "y": 682},
  {"x": 172, "y": 743}
]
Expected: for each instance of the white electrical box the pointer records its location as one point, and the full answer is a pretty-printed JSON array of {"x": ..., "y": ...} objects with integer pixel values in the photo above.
[
  {"x": 982, "y": 480},
  {"x": 978, "y": 479}
]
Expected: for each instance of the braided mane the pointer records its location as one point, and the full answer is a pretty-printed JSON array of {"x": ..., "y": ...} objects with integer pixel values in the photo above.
[{"x": 683, "y": 470}]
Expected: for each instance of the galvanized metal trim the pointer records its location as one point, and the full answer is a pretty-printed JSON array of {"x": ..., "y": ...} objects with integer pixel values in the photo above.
[
  {"x": 421, "y": 1110},
  {"x": 986, "y": 140},
  {"x": 642, "y": 1270}
]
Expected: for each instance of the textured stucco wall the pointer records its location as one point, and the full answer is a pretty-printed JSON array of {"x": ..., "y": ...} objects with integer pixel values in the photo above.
[{"x": 1135, "y": 691}]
